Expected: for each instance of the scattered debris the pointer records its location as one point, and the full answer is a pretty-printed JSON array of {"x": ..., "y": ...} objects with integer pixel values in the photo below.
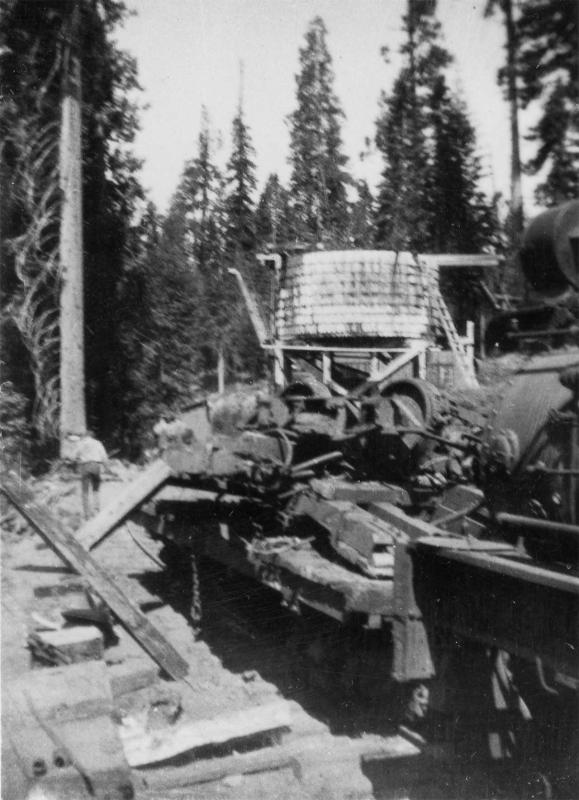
[
  {"x": 65, "y": 544},
  {"x": 67, "y": 645},
  {"x": 143, "y": 746},
  {"x": 165, "y": 708},
  {"x": 62, "y": 735}
]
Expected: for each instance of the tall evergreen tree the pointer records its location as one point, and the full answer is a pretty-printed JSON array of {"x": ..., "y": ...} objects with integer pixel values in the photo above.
[
  {"x": 403, "y": 206},
  {"x": 318, "y": 178},
  {"x": 547, "y": 63},
  {"x": 429, "y": 198},
  {"x": 200, "y": 196},
  {"x": 463, "y": 220},
  {"x": 239, "y": 341},
  {"x": 273, "y": 223},
  {"x": 240, "y": 188}
]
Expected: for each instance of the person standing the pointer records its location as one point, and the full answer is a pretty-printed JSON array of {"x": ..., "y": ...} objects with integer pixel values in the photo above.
[{"x": 91, "y": 457}]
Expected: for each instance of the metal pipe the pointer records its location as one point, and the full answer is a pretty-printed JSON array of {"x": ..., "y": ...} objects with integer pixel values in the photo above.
[
  {"x": 550, "y": 470},
  {"x": 314, "y": 462},
  {"x": 428, "y": 435},
  {"x": 534, "y": 524},
  {"x": 530, "y": 334}
]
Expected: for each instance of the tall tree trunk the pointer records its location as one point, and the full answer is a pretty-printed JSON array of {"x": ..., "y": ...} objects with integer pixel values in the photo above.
[
  {"x": 72, "y": 381},
  {"x": 516, "y": 190},
  {"x": 221, "y": 370}
]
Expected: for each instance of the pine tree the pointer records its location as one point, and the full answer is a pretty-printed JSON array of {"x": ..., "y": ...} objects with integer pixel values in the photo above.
[
  {"x": 463, "y": 220},
  {"x": 240, "y": 344},
  {"x": 200, "y": 194},
  {"x": 318, "y": 179},
  {"x": 197, "y": 224},
  {"x": 240, "y": 188},
  {"x": 547, "y": 63},
  {"x": 273, "y": 223},
  {"x": 429, "y": 198},
  {"x": 403, "y": 218},
  {"x": 402, "y": 215},
  {"x": 361, "y": 214}
]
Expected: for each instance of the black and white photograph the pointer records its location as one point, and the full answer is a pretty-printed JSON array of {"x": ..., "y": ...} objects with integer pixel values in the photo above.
[{"x": 289, "y": 399}]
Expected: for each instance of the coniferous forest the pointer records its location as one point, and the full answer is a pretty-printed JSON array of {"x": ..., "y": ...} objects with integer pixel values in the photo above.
[{"x": 161, "y": 309}]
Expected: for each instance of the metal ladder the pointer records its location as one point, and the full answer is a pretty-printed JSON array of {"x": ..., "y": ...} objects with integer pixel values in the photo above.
[{"x": 461, "y": 355}]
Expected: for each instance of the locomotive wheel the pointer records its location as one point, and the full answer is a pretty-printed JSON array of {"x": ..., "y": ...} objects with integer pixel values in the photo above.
[{"x": 406, "y": 403}]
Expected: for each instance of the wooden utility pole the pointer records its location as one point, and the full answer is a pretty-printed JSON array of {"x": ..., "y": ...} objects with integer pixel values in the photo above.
[{"x": 72, "y": 381}]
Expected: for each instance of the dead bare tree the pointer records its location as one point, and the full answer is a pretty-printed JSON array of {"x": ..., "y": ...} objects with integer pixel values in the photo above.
[{"x": 33, "y": 308}]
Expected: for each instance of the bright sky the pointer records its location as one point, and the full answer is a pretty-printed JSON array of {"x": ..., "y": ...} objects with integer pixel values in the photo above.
[{"x": 189, "y": 54}]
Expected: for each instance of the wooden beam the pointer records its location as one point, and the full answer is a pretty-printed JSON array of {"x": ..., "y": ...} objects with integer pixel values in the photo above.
[
  {"x": 294, "y": 755},
  {"x": 266, "y": 759},
  {"x": 362, "y": 492},
  {"x": 149, "y": 747},
  {"x": 355, "y": 534},
  {"x": 104, "y": 523},
  {"x": 391, "y": 368},
  {"x": 65, "y": 545}
]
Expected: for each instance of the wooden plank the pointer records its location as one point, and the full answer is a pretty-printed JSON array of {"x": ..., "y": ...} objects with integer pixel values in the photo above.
[
  {"x": 149, "y": 747},
  {"x": 63, "y": 716},
  {"x": 392, "y": 368},
  {"x": 64, "y": 544},
  {"x": 266, "y": 759},
  {"x": 410, "y": 527},
  {"x": 104, "y": 523},
  {"x": 294, "y": 755},
  {"x": 363, "y": 492},
  {"x": 355, "y": 534}
]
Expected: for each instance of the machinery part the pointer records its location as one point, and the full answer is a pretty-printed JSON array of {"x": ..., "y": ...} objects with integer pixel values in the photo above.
[
  {"x": 405, "y": 410},
  {"x": 549, "y": 258},
  {"x": 418, "y": 702},
  {"x": 306, "y": 386},
  {"x": 550, "y": 255},
  {"x": 407, "y": 402},
  {"x": 529, "y": 458},
  {"x": 196, "y": 610},
  {"x": 503, "y": 451}
]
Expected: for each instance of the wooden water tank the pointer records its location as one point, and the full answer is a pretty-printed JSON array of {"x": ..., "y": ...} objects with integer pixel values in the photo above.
[{"x": 352, "y": 294}]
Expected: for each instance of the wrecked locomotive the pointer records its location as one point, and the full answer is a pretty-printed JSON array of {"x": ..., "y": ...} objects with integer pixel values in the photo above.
[{"x": 436, "y": 535}]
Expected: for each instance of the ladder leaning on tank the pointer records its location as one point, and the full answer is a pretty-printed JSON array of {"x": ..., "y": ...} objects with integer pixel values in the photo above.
[{"x": 462, "y": 357}]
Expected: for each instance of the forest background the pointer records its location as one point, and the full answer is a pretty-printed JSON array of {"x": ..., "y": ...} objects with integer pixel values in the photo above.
[{"x": 160, "y": 307}]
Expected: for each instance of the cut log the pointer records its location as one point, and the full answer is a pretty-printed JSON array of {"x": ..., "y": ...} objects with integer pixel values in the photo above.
[
  {"x": 104, "y": 523},
  {"x": 65, "y": 545},
  {"x": 149, "y": 747}
]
